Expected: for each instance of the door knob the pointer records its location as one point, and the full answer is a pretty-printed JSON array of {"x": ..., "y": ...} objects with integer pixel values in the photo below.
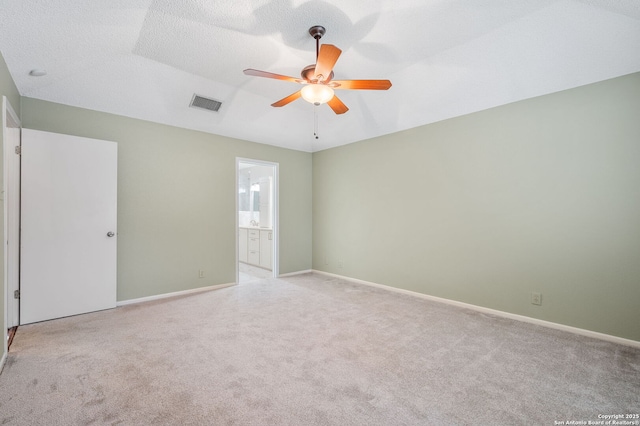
[{"x": 110, "y": 234}]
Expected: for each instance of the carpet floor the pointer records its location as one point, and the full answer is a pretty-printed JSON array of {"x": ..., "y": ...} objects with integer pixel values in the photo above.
[{"x": 309, "y": 350}]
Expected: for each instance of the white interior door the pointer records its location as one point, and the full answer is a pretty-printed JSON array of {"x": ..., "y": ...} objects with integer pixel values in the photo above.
[{"x": 68, "y": 241}]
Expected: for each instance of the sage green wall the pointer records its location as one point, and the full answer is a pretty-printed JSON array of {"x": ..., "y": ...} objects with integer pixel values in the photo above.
[
  {"x": 541, "y": 195},
  {"x": 8, "y": 89},
  {"x": 176, "y": 198}
]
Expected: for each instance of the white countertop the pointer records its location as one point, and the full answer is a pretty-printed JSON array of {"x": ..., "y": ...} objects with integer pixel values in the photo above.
[{"x": 255, "y": 227}]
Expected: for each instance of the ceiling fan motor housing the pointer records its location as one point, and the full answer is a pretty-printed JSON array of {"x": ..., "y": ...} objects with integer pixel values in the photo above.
[{"x": 308, "y": 73}]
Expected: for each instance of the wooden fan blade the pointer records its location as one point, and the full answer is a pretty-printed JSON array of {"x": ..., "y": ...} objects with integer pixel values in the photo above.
[
  {"x": 360, "y": 84},
  {"x": 288, "y": 99},
  {"x": 327, "y": 58},
  {"x": 337, "y": 106},
  {"x": 258, "y": 73}
]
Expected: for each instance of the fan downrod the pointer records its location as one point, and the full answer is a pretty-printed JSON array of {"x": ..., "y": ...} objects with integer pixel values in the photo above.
[{"x": 317, "y": 31}]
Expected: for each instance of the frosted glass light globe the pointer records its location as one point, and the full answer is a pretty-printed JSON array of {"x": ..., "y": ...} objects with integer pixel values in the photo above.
[{"x": 317, "y": 93}]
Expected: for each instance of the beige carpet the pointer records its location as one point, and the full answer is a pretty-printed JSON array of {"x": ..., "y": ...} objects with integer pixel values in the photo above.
[{"x": 309, "y": 350}]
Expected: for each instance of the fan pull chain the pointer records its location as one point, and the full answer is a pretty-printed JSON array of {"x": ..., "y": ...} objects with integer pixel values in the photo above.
[{"x": 315, "y": 122}]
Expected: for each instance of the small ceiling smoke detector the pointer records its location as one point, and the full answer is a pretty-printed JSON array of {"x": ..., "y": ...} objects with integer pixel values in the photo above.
[
  {"x": 205, "y": 103},
  {"x": 37, "y": 72}
]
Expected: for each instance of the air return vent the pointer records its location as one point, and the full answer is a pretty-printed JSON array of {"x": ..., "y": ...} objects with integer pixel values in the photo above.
[{"x": 205, "y": 103}]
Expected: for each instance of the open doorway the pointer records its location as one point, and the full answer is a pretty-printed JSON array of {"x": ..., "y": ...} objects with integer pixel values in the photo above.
[{"x": 256, "y": 220}]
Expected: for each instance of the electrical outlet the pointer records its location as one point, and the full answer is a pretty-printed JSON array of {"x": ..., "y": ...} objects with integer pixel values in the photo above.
[
  {"x": 340, "y": 264},
  {"x": 536, "y": 298},
  {"x": 200, "y": 273}
]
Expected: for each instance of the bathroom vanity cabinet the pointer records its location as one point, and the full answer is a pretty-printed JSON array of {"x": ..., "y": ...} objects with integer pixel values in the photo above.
[{"x": 255, "y": 246}]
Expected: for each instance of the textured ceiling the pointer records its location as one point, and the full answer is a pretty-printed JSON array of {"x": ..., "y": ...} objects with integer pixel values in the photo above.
[{"x": 146, "y": 58}]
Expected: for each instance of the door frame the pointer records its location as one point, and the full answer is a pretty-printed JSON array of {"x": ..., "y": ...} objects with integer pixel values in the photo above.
[
  {"x": 274, "y": 211},
  {"x": 10, "y": 193}
]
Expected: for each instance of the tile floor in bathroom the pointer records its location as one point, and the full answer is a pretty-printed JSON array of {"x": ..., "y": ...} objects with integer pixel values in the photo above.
[{"x": 250, "y": 273}]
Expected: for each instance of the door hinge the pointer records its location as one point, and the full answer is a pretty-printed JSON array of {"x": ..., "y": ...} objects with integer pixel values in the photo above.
[
  {"x": 18, "y": 150},
  {"x": 16, "y": 294}
]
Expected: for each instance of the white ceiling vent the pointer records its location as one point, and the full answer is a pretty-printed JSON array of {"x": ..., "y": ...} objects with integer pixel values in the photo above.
[{"x": 205, "y": 103}]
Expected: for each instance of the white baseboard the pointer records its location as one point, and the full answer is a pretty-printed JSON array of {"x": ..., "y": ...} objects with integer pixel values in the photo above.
[
  {"x": 291, "y": 274},
  {"x": 3, "y": 361},
  {"x": 548, "y": 324},
  {"x": 173, "y": 294}
]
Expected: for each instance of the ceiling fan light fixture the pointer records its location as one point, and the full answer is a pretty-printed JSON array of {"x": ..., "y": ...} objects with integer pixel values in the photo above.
[
  {"x": 318, "y": 78},
  {"x": 317, "y": 93}
]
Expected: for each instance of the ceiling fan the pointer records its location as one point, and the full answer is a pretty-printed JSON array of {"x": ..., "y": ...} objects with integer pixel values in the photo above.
[{"x": 318, "y": 78}]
